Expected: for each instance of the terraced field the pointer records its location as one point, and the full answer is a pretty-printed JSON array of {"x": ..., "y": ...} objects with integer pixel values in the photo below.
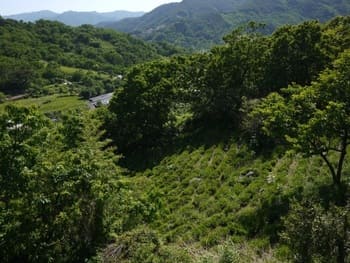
[{"x": 221, "y": 190}]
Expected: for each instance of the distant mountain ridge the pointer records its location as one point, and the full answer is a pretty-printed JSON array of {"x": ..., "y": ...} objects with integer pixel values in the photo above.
[
  {"x": 73, "y": 18},
  {"x": 201, "y": 23}
]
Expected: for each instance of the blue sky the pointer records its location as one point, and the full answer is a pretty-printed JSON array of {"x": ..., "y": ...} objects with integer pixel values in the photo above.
[{"x": 9, "y": 7}]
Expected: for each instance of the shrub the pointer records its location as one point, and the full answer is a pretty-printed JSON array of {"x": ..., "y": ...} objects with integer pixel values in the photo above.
[
  {"x": 139, "y": 245},
  {"x": 2, "y": 97},
  {"x": 229, "y": 255},
  {"x": 315, "y": 233}
]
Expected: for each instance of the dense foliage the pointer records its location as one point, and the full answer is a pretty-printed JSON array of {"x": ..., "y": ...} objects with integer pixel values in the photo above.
[
  {"x": 214, "y": 85},
  {"x": 32, "y": 56},
  {"x": 143, "y": 105},
  {"x": 236, "y": 182},
  {"x": 238, "y": 154},
  {"x": 55, "y": 180},
  {"x": 315, "y": 119}
]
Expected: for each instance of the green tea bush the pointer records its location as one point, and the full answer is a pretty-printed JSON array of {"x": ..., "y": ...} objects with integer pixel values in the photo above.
[
  {"x": 214, "y": 237},
  {"x": 229, "y": 254},
  {"x": 137, "y": 246}
]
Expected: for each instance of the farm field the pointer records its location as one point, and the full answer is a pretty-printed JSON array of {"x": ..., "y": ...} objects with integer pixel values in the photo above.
[{"x": 52, "y": 103}]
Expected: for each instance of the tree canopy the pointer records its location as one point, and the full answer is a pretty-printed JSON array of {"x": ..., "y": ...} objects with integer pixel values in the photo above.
[
  {"x": 53, "y": 188},
  {"x": 315, "y": 119}
]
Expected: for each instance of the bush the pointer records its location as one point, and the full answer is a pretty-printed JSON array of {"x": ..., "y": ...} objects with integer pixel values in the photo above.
[
  {"x": 143, "y": 245},
  {"x": 315, "y": 233},
  {"x": 168, "y": 254},
  {"x": 229, "y": 255},
  {"x": 138, "y": 245}
]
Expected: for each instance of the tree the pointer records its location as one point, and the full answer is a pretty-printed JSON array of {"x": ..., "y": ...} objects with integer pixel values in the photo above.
[
  {"x": 72, "y": 129},
  {"x": 230, "y": 72},
  {"x": 296, "y": 55},
  {"x": 336, "y": 36},
  {"x": 55, "y": 180},
  {"x": 16, "y": 75},
  {"x": 52, "y": 72},
  {"x": 316, "y": 234},
  {"x": 314, "y": 119},
  {"x": 141, "y": 109}
]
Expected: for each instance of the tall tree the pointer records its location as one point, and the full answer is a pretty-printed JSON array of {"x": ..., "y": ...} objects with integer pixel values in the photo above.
[
  {"x": 233, "y": 70},
  {"x": 296, "y": 55},
  {"x": 141, "y": 109},
  {"x": 314, "y": 119}
]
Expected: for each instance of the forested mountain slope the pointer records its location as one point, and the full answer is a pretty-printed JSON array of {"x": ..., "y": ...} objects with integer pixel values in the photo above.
[
  {"x": 200, "y": 24},
  {"x": 33, "y": 16},
  {"x": 33, "y": 51}
]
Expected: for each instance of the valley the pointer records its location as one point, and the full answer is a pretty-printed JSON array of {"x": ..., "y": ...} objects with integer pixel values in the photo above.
[{"x": 198, "y": 135}]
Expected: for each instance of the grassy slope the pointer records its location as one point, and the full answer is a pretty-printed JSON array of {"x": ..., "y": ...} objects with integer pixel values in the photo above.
[
  {"x": 72, "y": 70},
  {"x": 51, "y": 103},
  {"x": 210, "y": 198},
  {"x": 57, "y": 102}
]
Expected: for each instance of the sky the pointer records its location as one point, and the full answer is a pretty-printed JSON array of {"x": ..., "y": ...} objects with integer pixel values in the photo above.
[{"x": 10, "y": 7}]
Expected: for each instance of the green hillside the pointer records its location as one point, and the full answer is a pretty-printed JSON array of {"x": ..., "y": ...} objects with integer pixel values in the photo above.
[
  {"x": 237, "y": 154},
  {"x": 222, "y": 193},
  {"x": 83, "y": 47},
  {"x": 32, "y": 54},
  {"x": 49, "y": 104},
  {"x": 200, "y": 24}
]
